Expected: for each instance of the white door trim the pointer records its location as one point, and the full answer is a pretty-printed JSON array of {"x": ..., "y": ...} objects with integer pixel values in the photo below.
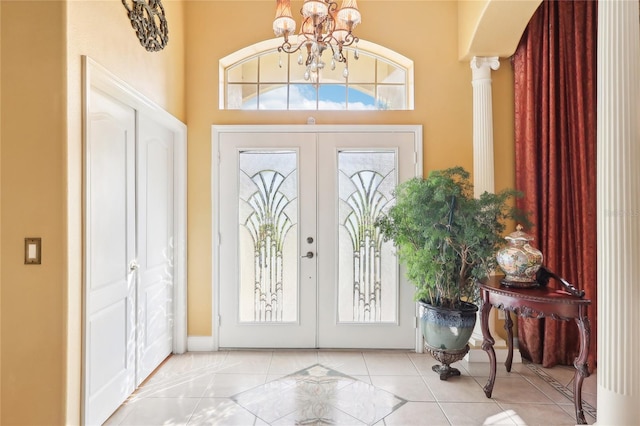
[
  {"x": 217, "y": 130},
  {"x": 97, "y": 77}
]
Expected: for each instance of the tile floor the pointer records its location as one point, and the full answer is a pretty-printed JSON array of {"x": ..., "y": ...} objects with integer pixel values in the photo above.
[{"x": 319, "y": 387}]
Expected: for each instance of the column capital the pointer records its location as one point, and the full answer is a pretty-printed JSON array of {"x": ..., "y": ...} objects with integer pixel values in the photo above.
[{"x": 481, "y": 66}]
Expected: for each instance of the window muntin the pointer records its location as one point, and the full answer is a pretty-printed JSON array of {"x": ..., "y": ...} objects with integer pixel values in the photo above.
[{"x": 261, "y": 78}]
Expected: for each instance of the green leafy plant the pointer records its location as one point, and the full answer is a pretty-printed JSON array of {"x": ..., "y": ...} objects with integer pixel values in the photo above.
[{"x": 447, "y": 238}]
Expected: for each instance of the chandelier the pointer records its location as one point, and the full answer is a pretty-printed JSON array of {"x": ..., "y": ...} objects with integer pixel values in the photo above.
[{"x": 324, "y": 26}]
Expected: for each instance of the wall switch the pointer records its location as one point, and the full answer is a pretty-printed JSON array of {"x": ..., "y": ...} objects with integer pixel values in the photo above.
[{"x": 32, "y": 251}]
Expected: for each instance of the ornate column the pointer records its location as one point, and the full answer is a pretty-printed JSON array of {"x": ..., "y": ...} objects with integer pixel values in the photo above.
[
  {"x": 483, "y": 179},
  {"x": 483, "y": 167},
  {"x": 618, "y": 189}
]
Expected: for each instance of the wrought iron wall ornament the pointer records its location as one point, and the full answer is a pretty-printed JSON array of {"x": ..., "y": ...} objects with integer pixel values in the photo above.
[{"x": 150, "y": 22}]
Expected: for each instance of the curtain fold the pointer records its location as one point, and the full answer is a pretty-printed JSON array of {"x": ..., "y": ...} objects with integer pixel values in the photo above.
[{"x": 555, "y": 137}]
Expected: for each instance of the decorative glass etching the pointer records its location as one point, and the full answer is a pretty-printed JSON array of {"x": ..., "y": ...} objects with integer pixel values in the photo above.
[
  {"x": 368, "y": 277},
  {"x": 268, "y": 210}
]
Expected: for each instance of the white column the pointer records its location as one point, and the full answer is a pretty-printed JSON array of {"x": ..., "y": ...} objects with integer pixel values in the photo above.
[
  {"x": 483, "y": 180},
  {"x": 618, "y": 189},
  {"x": 483, "y": 168}
]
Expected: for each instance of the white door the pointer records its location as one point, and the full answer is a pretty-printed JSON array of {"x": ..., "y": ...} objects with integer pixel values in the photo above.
[
  {"x": 301, "y": 263},
  {"x": 129, "y": 252},
  {"x": 267, "y": 212},
  {"x": 110, "y": 349},
  {"x": 155, "y": 245},
  {"x": 364, "y": 300}
]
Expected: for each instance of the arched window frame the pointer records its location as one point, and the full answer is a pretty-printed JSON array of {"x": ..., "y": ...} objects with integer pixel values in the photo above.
[{"x": 365, "y": 47}]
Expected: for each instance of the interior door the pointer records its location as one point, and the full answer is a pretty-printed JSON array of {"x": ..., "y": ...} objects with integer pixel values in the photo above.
[
  {"x": 110, "y": 278},
  {"x": 155, "y": 245},
  {"x": 296, "y": 214}
]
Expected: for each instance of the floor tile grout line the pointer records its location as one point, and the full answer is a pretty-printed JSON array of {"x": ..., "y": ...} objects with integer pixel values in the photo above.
[
  {"x": 186, "y": 375},
  {"x": 566, "y": 392}
]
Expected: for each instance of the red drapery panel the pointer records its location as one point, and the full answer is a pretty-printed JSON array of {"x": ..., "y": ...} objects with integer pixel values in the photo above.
[{"x": 555, "y": 126}]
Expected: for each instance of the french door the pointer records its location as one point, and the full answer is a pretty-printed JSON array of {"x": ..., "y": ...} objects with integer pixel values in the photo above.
[{"x": 300, "y": 261}]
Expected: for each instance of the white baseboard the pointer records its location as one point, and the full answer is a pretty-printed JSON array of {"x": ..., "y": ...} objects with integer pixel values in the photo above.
[
  {"x": 477, "y": 354},
  {"x": 200, "y": 344}
]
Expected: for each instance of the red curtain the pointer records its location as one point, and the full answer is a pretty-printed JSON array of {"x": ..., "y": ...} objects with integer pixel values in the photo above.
[{"x": 555, "y": 125}]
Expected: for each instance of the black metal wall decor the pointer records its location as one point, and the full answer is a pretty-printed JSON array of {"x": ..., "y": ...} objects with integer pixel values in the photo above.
[{"x": 150, "y": 22}]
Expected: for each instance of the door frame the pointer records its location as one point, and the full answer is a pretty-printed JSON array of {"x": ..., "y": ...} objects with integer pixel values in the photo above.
[
  {"x": 218, "y": 130},
  {"x": 96, "y": 77}
]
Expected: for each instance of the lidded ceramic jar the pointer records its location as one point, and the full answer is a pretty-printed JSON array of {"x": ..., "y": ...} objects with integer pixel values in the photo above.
[{"x": 519, "y": 260}]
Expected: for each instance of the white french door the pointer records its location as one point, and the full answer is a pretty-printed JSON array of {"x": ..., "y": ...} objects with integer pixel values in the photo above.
[
  {"x": 300, "y": 261},
  {"x": 364, "y": 300}
]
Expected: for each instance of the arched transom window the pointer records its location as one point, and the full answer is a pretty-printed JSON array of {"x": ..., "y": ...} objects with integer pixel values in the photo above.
[{"x": 259, "y": 77}]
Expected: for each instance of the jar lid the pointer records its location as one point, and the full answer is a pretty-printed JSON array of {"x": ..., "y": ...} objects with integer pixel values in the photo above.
[{"x": 519, "y": 235}]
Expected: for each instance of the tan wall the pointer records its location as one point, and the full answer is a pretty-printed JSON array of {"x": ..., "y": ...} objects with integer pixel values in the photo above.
[
  {"x": 443, "y": 103},
  {"x": 32, "y": 206},
  {"x": 42, "y": 182},
  {"x": 0, "y": 210},
  {"x": 492, "y": 27}
]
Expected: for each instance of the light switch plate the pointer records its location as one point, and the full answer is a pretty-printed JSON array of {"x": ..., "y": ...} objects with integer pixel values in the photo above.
[{"x": 32, "y": 251}]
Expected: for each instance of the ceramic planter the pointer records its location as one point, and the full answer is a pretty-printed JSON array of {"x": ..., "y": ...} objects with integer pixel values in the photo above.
[{"x": 448, "y": 329}]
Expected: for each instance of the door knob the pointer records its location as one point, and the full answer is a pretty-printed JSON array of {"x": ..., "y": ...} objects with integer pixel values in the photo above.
[
  {"x": 309, "y": 255},
  {"x": 133, "y": 265}
]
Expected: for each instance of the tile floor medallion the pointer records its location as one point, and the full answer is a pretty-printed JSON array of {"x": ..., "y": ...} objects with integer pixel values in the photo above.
[{"x": 318, "y": 395}]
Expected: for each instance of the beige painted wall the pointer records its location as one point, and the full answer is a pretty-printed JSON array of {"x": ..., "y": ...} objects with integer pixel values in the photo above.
[
  {"x": 443, "y": 103},
  {"x": 0, "y": 209},
  {"x": 32, "y": 206},
  {"x": 492, "y": 27},
  {"x": 41, "y": 164}
]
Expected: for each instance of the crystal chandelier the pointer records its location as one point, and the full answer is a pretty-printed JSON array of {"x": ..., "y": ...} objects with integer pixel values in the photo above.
[{"x": 323, "y": 26}]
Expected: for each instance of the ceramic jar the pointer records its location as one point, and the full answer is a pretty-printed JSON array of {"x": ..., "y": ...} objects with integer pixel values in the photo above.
[{"x": 519, "y": 260}]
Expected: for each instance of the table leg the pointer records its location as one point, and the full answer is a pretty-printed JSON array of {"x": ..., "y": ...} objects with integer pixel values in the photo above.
[
  {"x": 487, "y": 344},
  {"x": 508, "y": 326},
  {"x": 581, "y": 365}
]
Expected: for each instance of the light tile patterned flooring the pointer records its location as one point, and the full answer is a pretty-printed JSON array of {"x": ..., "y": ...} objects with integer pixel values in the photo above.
[{"x": 321, "y": 387}]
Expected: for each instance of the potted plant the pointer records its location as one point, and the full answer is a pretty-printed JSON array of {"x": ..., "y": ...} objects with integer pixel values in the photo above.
[{"x": 447, "y": 239}]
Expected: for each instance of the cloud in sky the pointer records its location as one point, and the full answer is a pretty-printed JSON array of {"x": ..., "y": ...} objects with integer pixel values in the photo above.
[{"x": 303, "y": 97}]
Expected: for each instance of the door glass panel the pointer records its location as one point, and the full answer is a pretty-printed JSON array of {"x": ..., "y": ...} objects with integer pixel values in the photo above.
[
  {"x": 268, "y": 218},
  {"x": 367, "y": 268}
]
